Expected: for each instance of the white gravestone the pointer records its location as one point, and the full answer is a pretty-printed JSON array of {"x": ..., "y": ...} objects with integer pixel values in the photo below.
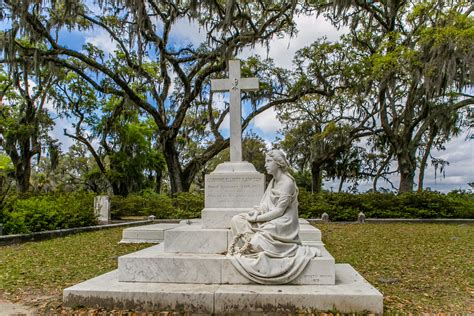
[
  {"x": 235, "y": 186},
  {"x": 102, "y": 208},
  {"x": 234, "y": 84}
]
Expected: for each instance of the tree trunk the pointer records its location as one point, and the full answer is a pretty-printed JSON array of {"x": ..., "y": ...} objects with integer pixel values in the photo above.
[
  {"x": 407, "y": 166},
  {"x": 316, "y": 177},
  {"x": 424, "y": 159},
  {"x": 343, "y": 179},
  {"x": 177, "y": 182},
  {"x": 159, "y": 175},
  {"x": 22, "y": 175}
]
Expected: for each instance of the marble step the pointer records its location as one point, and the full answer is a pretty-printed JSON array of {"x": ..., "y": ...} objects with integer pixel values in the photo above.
[
  {"x": 154, "y": 233},
  {"x": 153, "y": 264},
  {"x": 220, "y": 217},
  {"x": 351, "y": 293},
  {"x": 192, "y": 238}
]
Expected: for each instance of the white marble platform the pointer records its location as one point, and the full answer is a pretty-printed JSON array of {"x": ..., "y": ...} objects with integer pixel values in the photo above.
[
  {"x": 351, "y": 293},
  {"x": 153, "y": 264},
  {"x": 154, "y": 233},
  {"x": 178, "y": 242},
  {"x": 220, "y": 217},
  {"x": 192, "y": 238}
]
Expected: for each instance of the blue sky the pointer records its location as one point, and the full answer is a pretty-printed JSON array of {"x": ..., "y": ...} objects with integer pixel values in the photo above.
[{"x": 459, "y": 152}]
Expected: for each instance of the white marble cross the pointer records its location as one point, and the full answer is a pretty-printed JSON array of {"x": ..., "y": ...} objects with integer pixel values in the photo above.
[{"x": 234, "y": 84}]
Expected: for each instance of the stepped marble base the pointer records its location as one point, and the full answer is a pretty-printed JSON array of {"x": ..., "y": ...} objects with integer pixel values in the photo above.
[
  {"x": 351, "y": 293},
  {"x": 155, "y": 265},
  {"x": 155, "y": 233}
]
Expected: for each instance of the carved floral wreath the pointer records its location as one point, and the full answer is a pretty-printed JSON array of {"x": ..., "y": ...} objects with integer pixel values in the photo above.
[{"x": 246, "y": 247}]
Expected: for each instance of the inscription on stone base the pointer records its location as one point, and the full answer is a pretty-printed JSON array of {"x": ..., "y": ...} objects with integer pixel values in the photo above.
[{"x": 233, "y": 190}]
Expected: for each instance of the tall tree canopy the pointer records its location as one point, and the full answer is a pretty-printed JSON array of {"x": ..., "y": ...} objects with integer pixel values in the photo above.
[
  {"x": 418, "y": 58},
  {"x": 141, "y": 30}
]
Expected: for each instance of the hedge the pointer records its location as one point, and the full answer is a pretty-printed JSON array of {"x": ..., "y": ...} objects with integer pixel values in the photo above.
[
  {"x": 339, "y": 206},
  {"x": 346, "y": 206},
  {"x": 183, "y": 205},
  {"x": 32, "y": 213}
]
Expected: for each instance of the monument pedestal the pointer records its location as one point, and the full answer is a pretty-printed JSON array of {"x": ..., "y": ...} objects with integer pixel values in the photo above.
[
  {"x": 351, "y": 293},
  {"x": 189, "y": 271},
  {"x": 231, "y": 189}
]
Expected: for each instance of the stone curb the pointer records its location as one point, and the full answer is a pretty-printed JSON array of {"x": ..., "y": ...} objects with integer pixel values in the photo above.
[
  {"x": 402, "y": 220},
  {"x": 21, "y": 238}
]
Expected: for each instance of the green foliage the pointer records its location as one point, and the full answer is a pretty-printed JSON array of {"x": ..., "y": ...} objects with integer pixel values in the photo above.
[
  {"x": 145, "y": 204},
  {"x": 188, "y": 205},
  {"x": 339, "y": 206},
  {"x": 346, "y": 206},
  {"x": 33, "y": 213},
  {"x": 183, "y": 205}
]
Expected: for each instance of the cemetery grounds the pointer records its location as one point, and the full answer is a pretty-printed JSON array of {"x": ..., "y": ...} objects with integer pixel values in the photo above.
[{"x": 419, "y": 267}]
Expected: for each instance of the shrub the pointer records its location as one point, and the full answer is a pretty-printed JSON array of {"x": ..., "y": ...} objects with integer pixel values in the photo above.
[
  {"x": 189, "y": 205},
  {"x": 183, "y": 205},
  {"x": 345, "y": 206},
  {"x": 147, "y": 204},
  {"x": 33, "y": 213}
]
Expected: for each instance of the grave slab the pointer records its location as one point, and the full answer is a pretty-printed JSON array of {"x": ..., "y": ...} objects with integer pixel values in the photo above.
[
  {"x": 155, "y": 233},
  {"x": 194, "y": 239},
  {"x": 153, "y": 264},
  {"x": 309, "y": 233},
  {"x": 220, "y": 217},
  {"x": 146, "y": 234},
  {"x": 108, "y": 293},
  {"x": 351, "y": 293}
]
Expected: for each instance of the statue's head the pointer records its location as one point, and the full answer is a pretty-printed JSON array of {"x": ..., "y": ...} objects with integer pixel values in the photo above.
[{"x": 279, "y": 157}]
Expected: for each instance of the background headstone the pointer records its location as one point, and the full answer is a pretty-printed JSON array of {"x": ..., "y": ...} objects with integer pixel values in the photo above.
[
  {"x": 325, "y": 217},
  {"x": 102, "y": 208}
]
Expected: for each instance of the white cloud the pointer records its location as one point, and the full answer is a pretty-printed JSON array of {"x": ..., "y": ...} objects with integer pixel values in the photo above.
[
  {"x": 102, "y": 40},
  {"x": 225, "y": 126},
  {"x": 58, "y": 133},
  {"x": 220, "y": 100},
  {"x": 267, "y": 122},
  {"x": 282, "y": 50},
  {"x": 186, "y": 31}
]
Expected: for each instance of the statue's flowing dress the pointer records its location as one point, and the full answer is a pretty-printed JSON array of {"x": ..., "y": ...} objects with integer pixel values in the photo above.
[{"x": 281, "y": 257}]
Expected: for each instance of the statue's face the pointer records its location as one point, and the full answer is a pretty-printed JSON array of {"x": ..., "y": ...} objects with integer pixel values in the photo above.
[{"x": 270, "y": 165}]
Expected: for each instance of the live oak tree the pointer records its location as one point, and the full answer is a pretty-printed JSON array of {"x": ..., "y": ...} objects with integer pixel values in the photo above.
[
  {"x": 142, "y": 31},
  {"x": 118, "y": 138},
  {"x": 329, "y": 125},
  {"x": 420, "y": 56},
  {"x": 24, "y": 119}
]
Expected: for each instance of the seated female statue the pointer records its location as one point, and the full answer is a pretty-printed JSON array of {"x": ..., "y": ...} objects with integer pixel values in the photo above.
[{"x": 272, "y": 252}]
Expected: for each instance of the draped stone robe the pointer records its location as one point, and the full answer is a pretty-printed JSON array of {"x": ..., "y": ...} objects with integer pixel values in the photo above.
[{"x": 279, "y": 257}]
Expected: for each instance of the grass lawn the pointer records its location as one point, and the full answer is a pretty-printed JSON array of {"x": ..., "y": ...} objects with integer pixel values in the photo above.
[{"x": 418, "y": 267}]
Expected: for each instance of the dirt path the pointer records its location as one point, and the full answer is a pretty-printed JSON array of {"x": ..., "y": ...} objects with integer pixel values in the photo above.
[{"x": 8, "y": 309}]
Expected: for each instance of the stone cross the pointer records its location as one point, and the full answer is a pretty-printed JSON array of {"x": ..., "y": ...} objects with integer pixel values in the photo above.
[{"x": 234, "y": 84}]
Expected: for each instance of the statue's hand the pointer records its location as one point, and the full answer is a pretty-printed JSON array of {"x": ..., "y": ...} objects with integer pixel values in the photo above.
[
  {"x": 251, "y": 217},
  {"x": 261, "y": 208}
]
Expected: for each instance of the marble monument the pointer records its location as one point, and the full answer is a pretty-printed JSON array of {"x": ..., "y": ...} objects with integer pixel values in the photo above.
[{"x": 192, "y": 270}]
